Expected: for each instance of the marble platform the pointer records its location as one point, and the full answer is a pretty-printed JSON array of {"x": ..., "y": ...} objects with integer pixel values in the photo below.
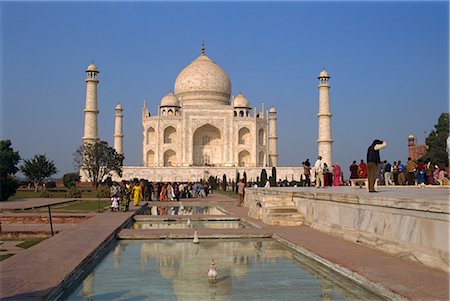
[{"x": 409, "y": 222}]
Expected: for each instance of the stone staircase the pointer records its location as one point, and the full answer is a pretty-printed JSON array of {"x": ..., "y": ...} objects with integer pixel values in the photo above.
[{"x": 280, "y": 211}]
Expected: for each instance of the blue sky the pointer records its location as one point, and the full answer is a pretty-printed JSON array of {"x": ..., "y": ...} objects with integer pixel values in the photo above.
[{"x": 388, "y": 63}]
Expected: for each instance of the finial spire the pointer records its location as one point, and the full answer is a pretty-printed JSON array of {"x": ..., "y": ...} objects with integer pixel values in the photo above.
[{"x": 203, "y": 47}]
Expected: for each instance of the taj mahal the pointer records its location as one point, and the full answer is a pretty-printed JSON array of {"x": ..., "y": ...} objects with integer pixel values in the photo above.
[{"x": 201, "y": 130}]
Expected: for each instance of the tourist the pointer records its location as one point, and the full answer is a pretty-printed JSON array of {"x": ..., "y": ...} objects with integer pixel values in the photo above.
[
  {"x": 401, "y": 173},
  {"x": 162, "y": 193},
  {"x": 307, "y": 173},
  {"x": 176, "y": 191},
  {"x": 137, "y": 194},
  {"x": 380, "y": 172},
  {"x": 115, "y": 203},
  {"x": 373, "y": 159},
  {"x": 241, "y": 192},
  {"x": 442, "y": 177},
  {"x": 420, "y": 172},
  {"x": 337, "y": 174},
  {"x": 326, "y": 175},
  {"x": 267, "y": 184},
  {"x": 411, "y": 167},
  {"x": 388, "y": 174},
  {"x": 429, "y": 170},
  {"x": 169, "y": 191},
  {"x": 395, "y": 172},
  {"x": 436, "y": 175},
  {"x": 362, "y": 170},
  {"x": 318, "y": 169},
  {"x": 354, "y": 170}
]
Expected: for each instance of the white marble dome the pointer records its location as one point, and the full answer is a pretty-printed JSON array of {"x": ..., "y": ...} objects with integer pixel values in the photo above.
[
  {"x": 92, "y": 67},
  {"x": 323, "y": 73},
  {"x": 203, "y": 82},
  {"x": 170, "y": 100},
  {"x": 119, "y": 107},
  {"x": 240, "y": 101}
]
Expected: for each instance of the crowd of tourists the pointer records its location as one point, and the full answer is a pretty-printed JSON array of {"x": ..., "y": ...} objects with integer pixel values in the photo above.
[
  {"x": 138, "y": 191},
  {"x": 412, "y": 173}
]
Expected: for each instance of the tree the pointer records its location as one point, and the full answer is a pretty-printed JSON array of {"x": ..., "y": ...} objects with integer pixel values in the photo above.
[
  {"x": 8, "y": 167},
  {"x": 37, "y": 169},
  {"x": 71, "y": 179},
  {"x": 273, "y": 182},
  {"x": 98, "y": 160},
  {"x": 224, "y": 182},
  {"x": 263, "y": 178},
  {"x": 437, "y": 142}
]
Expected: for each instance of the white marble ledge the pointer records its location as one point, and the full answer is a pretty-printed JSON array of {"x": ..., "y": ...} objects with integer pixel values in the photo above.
[{"x": 421, "y": 199}]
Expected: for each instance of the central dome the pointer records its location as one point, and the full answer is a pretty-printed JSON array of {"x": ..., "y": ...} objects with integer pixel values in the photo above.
[{"x": 203, "y": 82}]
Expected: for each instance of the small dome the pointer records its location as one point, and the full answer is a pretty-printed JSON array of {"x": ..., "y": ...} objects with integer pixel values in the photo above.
[
  {"x": 170, "y": 100},
  {"x": 411, "y": 136},
  {"x": 323, "y": 73},
  {"x": 203, "y": 82},
  {"x": 272, "y": 110},
  {"x": 92, "y": 67},
  {"x": 119, "y": 107},
  {"x": 240, "y": 101}
]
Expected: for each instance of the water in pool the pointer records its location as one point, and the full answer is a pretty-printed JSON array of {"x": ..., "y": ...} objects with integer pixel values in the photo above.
[
  {"x": 248, "y": 269},
  {"x": 182, "y": 210},
  {"x": 197, "y": 225}
]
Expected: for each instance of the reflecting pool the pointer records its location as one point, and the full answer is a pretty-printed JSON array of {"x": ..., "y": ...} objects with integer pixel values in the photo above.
[
  {"x": 248, "y": 269},
  {"x": 182, "y": 210},
  {"x": 196, "y": 225}
]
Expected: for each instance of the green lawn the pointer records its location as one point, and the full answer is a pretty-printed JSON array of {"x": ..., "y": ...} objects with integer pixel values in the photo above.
[
  {"x": 31, "y": 242},
  {"x": 80, "y": 206},
  {"x": 4, "y": 256},
  {"x": 24, "y": 194}
]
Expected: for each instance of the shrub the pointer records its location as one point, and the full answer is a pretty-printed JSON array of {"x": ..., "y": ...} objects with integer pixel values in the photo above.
[
  {"x": 45, "y": 193},
  {"x": 51, "y": 184},
  {"x": 8, "y": 188},
  {"x": 224, "y": 182},
  {"x": 71, "y": 179},
  {"x": 73, "y": 192}
]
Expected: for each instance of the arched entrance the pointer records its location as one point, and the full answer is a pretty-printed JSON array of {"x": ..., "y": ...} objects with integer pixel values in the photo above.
[
  {"x": 244, "y": 158},
  {"x": 170, "y": 158},
  {"x": 207, "y": 146}
]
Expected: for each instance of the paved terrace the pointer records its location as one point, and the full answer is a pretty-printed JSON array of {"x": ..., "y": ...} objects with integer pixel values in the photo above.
[{"x": 66, "y": 252}]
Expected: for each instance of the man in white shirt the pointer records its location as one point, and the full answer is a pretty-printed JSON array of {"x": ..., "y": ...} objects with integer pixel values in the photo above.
[{"x": 318, "y": 168}]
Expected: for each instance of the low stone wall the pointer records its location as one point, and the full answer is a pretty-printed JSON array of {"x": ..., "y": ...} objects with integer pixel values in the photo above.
[{"x": 417, "y": 229}]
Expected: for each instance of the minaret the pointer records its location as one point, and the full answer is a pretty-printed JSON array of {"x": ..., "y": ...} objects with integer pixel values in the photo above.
[
  {"x": 91, "y": 107},
  {"x": 273, "y": 154},
  {"x": 324, "y": 140},
  {"x": 118, "y": 130}
]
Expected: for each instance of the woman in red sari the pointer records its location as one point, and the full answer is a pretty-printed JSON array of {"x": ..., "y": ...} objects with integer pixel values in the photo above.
[{"x": 337, "y": 174}]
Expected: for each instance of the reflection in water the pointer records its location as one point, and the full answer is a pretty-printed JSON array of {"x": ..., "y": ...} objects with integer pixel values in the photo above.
[
  {"x": 256, "y": 269},
  {"x": 182, "y": 210},
  {"x": 196, "y": 225}
]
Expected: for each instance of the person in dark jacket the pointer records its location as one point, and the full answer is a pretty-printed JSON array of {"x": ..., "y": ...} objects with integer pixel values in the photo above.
[{"x": 373, "y": 159}]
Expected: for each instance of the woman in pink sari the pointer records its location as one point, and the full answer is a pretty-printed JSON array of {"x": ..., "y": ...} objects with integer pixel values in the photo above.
[{"x": 337, "y": 175}]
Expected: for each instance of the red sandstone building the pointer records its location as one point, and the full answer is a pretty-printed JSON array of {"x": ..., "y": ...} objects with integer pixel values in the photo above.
[{"x": 415, "y": 151}]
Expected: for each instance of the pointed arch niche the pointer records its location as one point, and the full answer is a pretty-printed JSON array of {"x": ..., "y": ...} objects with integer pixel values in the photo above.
[
  {"x": 170, "y": 134},
  {"x": 150, "y": 158},
  {"x": 244, "y": 158},
  {"x": 170, "y": 158},
  {"x": 150, "y": 134},
  {"x": 244, "y": 136}
]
